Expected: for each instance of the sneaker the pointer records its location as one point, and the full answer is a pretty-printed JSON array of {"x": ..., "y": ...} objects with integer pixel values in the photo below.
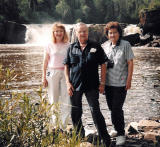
[
  {"x": 113, "y": 133},
  {"x": 120, "y": 140}
]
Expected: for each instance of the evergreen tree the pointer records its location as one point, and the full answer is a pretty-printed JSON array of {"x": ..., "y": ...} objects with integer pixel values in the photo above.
[
  {"x": 64, "y": 11},
  {"x": 71, "y": 11}
]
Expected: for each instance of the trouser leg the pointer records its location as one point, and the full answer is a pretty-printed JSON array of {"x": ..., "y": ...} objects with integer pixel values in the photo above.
[
  {"x": 115, "y": 99},
  {"x": 99, "y": 121},
  {"x": 76, "y": 112},
  {"x": 53, "y": 78},
  {"x": 65, "y": 107}
]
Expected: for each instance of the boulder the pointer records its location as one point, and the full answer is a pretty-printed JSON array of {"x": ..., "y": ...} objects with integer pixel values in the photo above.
[
  {"x": 147, "y": 125},
  {"x": 2, "y": 30},
  {"x": 152, "y": 28},
  {"x": 132, "y": 128},
  {"x": 154, "y": 136},
  {"x": 132, "y": 38},
  {"x": 13, "y": 33},
  {"x": 150, "y": 21},
  {"x": 146, "y": 39},
  {"x": 96, "y": 33},
  {"x": 146, "y": 129}
]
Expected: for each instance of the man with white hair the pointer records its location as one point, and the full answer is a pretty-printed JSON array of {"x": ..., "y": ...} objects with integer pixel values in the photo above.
[{"x": 81, "y": 72}]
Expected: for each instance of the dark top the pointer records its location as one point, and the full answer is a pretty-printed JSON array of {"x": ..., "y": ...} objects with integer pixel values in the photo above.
[{"x": 84, "y": 65}]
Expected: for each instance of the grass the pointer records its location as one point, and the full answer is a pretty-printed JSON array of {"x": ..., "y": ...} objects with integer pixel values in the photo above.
[{"x": 27, "y": 124}]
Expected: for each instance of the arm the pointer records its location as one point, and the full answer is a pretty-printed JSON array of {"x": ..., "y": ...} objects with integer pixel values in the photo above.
[
  {"x": 103, "y": 78},
  {"x": 70, "y": 88},
  {"x": 130, "y": 73},
  {"x": 45, "y": 64}
]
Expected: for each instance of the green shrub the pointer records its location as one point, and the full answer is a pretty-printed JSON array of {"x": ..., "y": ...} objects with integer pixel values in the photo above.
[{"x": 24, "y": 123}]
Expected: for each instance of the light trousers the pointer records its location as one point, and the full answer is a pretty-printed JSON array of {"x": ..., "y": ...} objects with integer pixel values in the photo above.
[{"x": 58, "y": 96}]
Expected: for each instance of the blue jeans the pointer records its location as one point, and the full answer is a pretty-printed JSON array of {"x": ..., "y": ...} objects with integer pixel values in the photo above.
[
  {"x": 115, "y": 97},
  {"x": 76, "y": 113}
]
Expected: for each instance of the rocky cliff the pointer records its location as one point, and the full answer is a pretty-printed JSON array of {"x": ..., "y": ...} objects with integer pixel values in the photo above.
[
  {"x": 150, "y": 21},
  {"x": 12, "y": 33}
]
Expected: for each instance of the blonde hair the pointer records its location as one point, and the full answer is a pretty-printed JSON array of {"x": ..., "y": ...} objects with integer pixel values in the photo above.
[{"x": 61, "y": 26}]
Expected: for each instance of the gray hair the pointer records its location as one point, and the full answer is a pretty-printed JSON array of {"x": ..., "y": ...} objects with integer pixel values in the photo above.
[{"x": 79, "y": 24}]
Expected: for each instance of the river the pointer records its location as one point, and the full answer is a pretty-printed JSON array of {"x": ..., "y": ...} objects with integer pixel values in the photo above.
[{"x": 142, "y": 102}]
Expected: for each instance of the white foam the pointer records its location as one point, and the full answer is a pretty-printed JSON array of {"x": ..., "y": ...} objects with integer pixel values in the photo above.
[
  {"x": 40, "y": 34},
  {"x": 132, "y": 29}
]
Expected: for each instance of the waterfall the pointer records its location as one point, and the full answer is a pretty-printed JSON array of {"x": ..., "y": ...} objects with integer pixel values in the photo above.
[
  {"x": 41, "y": 34},
  {"x": 132, "y": 29}
]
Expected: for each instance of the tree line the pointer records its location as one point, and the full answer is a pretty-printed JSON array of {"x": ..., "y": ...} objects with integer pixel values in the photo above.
[{"x": 72, "y": 11}]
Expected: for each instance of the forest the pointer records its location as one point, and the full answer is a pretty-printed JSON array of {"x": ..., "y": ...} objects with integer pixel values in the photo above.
[{"x": 72, "y": 11}]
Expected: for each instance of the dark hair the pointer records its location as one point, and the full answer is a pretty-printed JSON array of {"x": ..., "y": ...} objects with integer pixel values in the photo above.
[{"x": 112, "y": 25}]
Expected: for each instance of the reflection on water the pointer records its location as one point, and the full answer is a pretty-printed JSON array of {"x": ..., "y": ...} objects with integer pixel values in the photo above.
[
  {"x": 26, "y": 60},
  {"x": 142, "y": 99}
]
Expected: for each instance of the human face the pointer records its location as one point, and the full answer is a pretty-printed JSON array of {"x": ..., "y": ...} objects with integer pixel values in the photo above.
[
  {"x": 113, "y": 35},
  {"x": 59, "y": 34},
  {"x": 82, "y": 33}
]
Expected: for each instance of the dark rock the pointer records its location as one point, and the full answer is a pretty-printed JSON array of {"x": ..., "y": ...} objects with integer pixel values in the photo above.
[
  {"x": 14, "y": 33},
  {"x": 145, "y": 40},
  {"x": 96, "y": 32},
  {"x": 132, "y": 128},
  {"x": 152, "y": 28},
  {"x": 137, "y": 40},
  {"x": 2, "y": 30},
  {"x": 155, "y": 86},
  {"x": 150, "y": 21},
  {"x": 132, "y": 38},
  {"x": 155, "y": 43},
  {"x": 150, "y": 16}
]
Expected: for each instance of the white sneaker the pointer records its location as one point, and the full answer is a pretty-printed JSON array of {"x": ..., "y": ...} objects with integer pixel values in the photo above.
[
  {"x": 113, "y": 133},
  {"x": 120, "y": 140}
]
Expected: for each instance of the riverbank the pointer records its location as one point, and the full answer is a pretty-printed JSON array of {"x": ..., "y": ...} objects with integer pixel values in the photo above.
[{"x": 142, "y": 102}]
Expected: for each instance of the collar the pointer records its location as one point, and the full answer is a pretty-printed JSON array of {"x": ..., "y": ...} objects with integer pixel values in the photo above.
[
  {"x": 77, "y": 44},
  {"x": 117, "y": 44}
]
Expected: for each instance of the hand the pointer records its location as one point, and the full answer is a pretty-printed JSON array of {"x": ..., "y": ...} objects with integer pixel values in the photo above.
[
  {"x": 101, "y": 88},
  {"x": 70, "y": 88},
  {"x": 45, "y": 83},
  {"x": 128, "y": 84}
]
